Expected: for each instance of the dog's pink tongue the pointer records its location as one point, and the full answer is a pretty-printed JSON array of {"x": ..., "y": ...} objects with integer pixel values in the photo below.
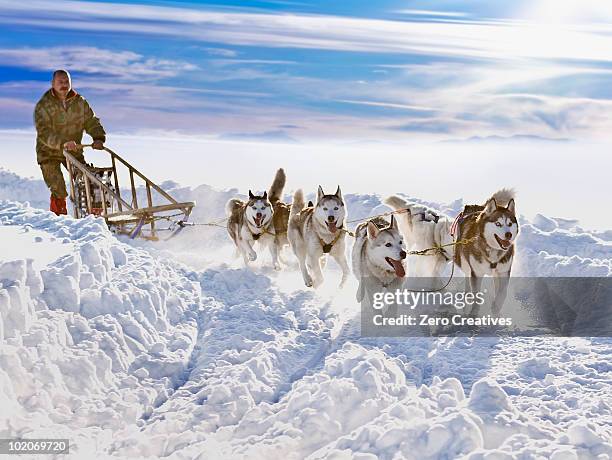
[
  {"x": 398, "y": 267},
  {"x": 332, "y": 227}
]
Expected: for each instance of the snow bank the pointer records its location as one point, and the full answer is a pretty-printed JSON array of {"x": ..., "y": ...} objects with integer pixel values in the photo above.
[
  {"x": 131, "y": 354},
  {"x": 17, "y": 188},
  {"x": 95, "y": 340}
]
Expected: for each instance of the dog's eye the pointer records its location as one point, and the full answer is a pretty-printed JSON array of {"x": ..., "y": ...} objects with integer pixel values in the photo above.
[
  {"x": 254, "y": 207},
  {"x": 324, "y": 209},
  {"x": 336, "y": 208},
  {"x": 498, "y": 224},
  {"x": 401, "y": 242},
  {"x": 388, "y": 245}
]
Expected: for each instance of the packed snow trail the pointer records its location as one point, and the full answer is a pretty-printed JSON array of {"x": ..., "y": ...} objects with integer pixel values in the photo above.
[{"x": 135, "y": 350}]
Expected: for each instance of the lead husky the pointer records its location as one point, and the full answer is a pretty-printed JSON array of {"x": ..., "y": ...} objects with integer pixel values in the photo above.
[
  {"x": 262, "y": 218},
  {"x": 494, "y": 228},
  {"x": 317, "y": 230},
  {"x": 378, "y": 258},
  {"x": 423, "y": 228}
]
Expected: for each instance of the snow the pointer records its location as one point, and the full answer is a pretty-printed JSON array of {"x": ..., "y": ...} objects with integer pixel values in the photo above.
[
  {"x": 134, "y": 349},
  {"x": 23, "y": 241}
]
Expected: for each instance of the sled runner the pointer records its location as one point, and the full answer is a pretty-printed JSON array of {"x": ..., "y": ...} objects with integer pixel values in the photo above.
[{"x": 96, "y": 190}]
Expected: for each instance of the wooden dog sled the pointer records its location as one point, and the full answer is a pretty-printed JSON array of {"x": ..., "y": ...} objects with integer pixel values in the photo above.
[{"x": 96, "y": 190}]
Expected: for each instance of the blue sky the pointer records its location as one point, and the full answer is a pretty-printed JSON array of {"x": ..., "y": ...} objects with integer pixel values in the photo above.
[{"x": 297, "y": 71}]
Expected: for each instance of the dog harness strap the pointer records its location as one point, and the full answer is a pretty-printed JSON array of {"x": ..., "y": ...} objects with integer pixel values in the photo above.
[
  {"x": 327, "y": 247},
  {"x": 456, "y": 223}
]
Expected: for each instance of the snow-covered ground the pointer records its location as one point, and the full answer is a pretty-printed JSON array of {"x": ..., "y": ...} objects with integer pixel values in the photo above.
[{"x": 145, "y": 350}]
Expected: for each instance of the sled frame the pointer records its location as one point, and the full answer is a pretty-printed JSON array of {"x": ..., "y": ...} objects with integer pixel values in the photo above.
[{"x": 121, "y": 216}]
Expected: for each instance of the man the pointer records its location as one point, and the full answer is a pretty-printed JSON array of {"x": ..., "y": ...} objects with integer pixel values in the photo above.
[{"x": 61, "y": 115}]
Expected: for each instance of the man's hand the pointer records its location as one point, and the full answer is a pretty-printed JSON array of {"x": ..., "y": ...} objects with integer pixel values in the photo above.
[
  {"x": 71, "y": 146},
  {"x": 98, "y": 145}
]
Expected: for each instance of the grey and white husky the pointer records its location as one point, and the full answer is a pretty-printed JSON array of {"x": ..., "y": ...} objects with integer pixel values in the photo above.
[
  {"x": 423, "y": 228},
  {"x": 378, "y": 258},
  {"x": 494, "y": 228},
  {"x": 263, "y": 219},
  {"x": 315, "y": 231}
]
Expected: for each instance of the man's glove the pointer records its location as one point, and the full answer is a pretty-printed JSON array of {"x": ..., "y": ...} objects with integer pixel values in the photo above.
[
  {"x": 98, "y": 145},
  {"x": 71, "y": 146}
]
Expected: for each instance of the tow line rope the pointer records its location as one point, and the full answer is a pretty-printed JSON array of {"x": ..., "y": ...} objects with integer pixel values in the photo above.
[{"x": 421, "y": 252}]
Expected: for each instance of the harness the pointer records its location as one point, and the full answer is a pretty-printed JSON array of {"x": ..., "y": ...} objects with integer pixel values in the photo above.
[
  {"x": 455, "y": 225},
  {"x": 443, "y": 253},
  {"x": 327, "y": 247},
  {"x": 429, "y": 216}
]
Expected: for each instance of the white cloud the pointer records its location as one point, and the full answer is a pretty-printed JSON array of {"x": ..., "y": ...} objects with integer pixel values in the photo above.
[
  {"x": 221, "y": 52},
  {"x": 91, "y": 60},
  {"x": 454, "y": 14},
  {"x": 387, "y": 104},
  {"x": 483, "y": 39}
]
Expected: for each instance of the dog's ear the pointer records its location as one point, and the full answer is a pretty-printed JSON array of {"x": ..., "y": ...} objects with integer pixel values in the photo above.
[
  {"x": 490, "y": 206},
  {"x": 393, "y": 223},
  {"x": 338, "y": 193},
  {"x": 510, "y": 206},
  {"x": 265, "y": 195},
  {"x": 310, "y": 204},
  {"x": 320, "y": 193},
  {"x": 251, "y": 196},
  {"x": 373, "y": 230}
]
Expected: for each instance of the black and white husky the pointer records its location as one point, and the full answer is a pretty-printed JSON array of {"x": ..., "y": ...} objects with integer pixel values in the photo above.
[
  {"x": 315, "y": 231},
  {"x": 423, "y": 228}
]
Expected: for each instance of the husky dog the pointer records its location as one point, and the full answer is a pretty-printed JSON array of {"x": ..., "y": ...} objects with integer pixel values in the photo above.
[
  {"x": 423, "y": 228},
  {"x": 317, "y": 230},
  {"x": 378, "y": 257},
  {"x": 494, "y": 227},
  {"x": 262, "y": 218}
]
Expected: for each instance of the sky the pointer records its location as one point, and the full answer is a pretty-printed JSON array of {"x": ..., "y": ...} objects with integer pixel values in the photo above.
[{"x": 301, "y": 71}]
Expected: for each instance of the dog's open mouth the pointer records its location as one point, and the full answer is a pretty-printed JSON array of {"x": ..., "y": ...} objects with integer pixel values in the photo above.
[
  {"x": 331, "y": 226},
  {"x": 398, "y": 268},
  {"x": 504, "y": 244},
  {"x": 258, "y": 221}
]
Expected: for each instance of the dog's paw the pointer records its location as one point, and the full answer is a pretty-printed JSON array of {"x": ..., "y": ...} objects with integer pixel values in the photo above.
[
  {"x": 252, "y": 256},
  {"x": 308, "y": 281},
  {"x": 277, "y": 267}
]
